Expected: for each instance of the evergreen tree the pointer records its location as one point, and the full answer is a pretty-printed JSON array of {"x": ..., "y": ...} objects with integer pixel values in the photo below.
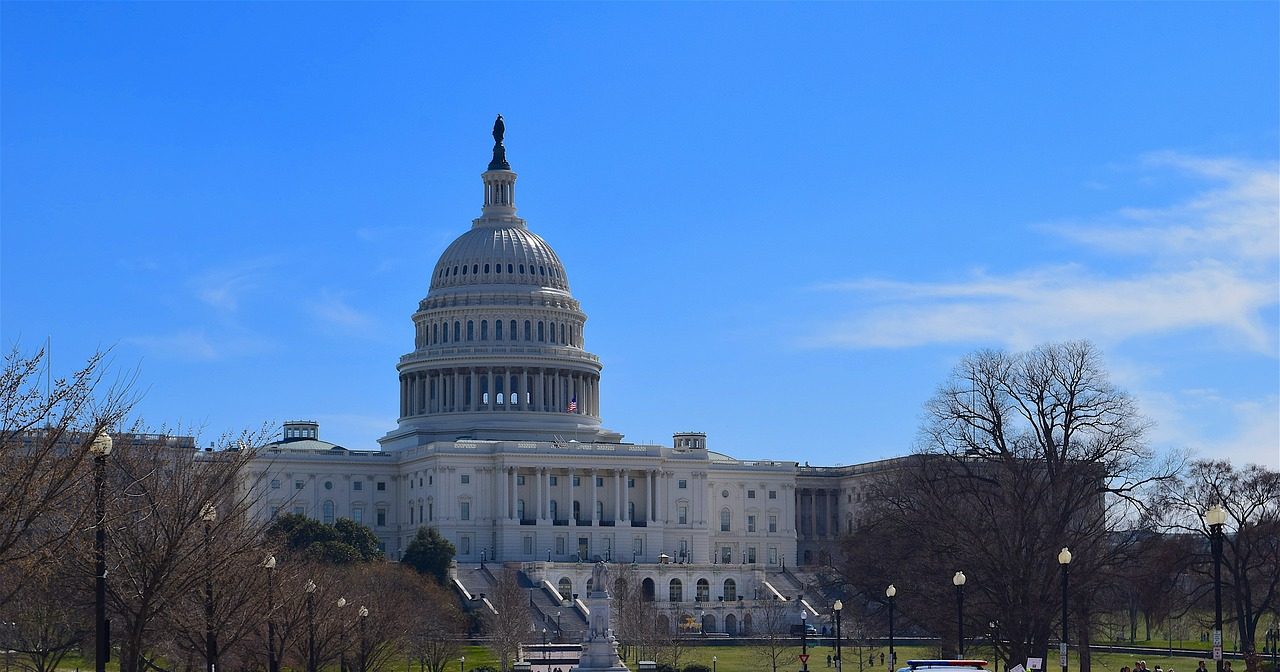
[{"x": 429, "y": 553}]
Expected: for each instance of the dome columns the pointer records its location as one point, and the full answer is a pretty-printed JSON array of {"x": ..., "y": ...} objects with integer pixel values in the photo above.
[{"x": 499, "y": 389}]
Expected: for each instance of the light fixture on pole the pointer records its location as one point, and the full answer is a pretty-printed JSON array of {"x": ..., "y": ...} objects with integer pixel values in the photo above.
[
  {"x": 804, "y": 639},
  {"x": 101, "y": 448},
  {"x": 958, "y": 580},
  {"x": 270, "y": 565},
  {"x": 342, "y": 658},
  {"x": 208, "y": 513},
  {"x": 702, "y": 622},
  {"x": 838, "y": 607},
  {"x": 714, "y": 660},
  {"x": 461, "y": 662},
  {"x": 889, "y": 594},
  {"x": 364, "y": 614},
  {"x": 1216, "y": 517},
  {"x": 1064, "y": 559},
  {"x": 310, "y": 589}
]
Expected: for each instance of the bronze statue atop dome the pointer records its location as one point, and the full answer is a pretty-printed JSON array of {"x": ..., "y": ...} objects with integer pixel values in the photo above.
[{"x": 499, "y": 161}]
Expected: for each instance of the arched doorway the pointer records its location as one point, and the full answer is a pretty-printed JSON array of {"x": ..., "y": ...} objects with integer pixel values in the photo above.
[
  {"x": 647, "y": 590},
  {"x": 704, "y": 591},
  {"x": 708, "y": 623},
  {"x": 664, "y": 625},
  {"x": 730, "y": 590},
  {"x": 566, "y": 588},
  {"x": 731, "y": 625},
  {"x": 746, "y": 624}
]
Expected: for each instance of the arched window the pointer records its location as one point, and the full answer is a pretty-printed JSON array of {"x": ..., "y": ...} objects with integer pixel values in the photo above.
[
  {"x": 457, "y": 332},
  {"x": 486, "y": 268},
  {"x": 497, "y": 330},
  {"x": 475, "y": 268},
  {"x": 573, "y": 334},
  {"x": 471, "y": 330},
  {"x": 521, "y": 269},
  {"x": 675, "y": 591},
  {"x": 704, "y": 591},
  {"x": 527, "y": 331},
  {"x": 542, "y": 332},
  {"x": 555, "y": 508},
  {"x": 565, "y": 587},
  {"x": 731, "y": 624},
  {"x": 497, "y": 389},
  {"x": 497, "y": 268},
  {"x": 562, "y": 334},
  {"x": 508, "y": 268},
  {"x": 730, "y": 590},
  {"x": 513, "y": 330},
  {"x": 520, "y": 509},
  {"x": 484, "y": 390},
  {"x": 553, "y": 332},
  {"x": 599, "y": 510},
  {"x": 410, "y": 513},
  {"x": 435, "y": 333},
  {"x": 746, "y": 624},
  {"x": 725, "y": 520},
  {"x": 484, "y": 330},
  {"x": 464, "y": 270},
  {"x": 328, "y": 512}
]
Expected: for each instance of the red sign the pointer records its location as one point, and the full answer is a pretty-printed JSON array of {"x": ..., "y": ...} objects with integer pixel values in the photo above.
[{"x": 804, "y": 657}]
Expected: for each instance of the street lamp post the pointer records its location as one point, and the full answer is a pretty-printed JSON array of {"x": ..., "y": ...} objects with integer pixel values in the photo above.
[
  {"x": 270, "y": 565},
  {"x": 958, "y": 580},
  {"x": 101, "y": 448},
  {"x": 559, "y": 631},
  {"x": 342, "y": 643},
  {"x": 838, "y": 607},
  {"x": 804, "y": 639},
  {"x": 310, "y": 589},
  {"x": 714, "y": 660},
  {"x": 544, "y": 643},
  {"x": 462, "y": 660},
  {"x": 209, "y": 514},
  {"x": 1064, "y": 559},
  {"x": 702, "y": 622},
  {"x": 1216, "y": 517},
  {"x": 548, "y": 555},
  {"x": 364, "y": 614},
  {"x": 889, "y": 594}
]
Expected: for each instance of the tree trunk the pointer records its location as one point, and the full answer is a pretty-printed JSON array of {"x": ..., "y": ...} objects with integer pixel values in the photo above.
[{"x": 1086, "y": 654}]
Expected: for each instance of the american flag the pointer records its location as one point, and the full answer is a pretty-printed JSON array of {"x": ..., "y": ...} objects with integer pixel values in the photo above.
[{"x": 573, "y": 405}]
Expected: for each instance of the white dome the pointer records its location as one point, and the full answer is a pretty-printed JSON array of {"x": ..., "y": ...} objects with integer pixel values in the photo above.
[{"x": 506, "y": 255}]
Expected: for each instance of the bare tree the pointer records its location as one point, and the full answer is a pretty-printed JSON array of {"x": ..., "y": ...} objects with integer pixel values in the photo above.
[
  {"x": 46, "y": 429},
  {"x": 1022, "y": 454},
  {"x": 435, "y": 637},
  {"x": 512, "y": 625},
  {"x": 774, "y": 646},
  {"x": 1251, "y": 540},
  {"x": 44, "y": 622}
]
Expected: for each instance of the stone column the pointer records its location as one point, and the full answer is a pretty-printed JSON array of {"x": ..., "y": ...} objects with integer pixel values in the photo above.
[
  {"x": 573, "y": 520},
  {"x": 540, "y": 393},
  {"x": 537, "y": 500},
  {"x": 504, "y": 493},
  {"x": 595, "y": 520},
  {"x": 546, "y": 497}
]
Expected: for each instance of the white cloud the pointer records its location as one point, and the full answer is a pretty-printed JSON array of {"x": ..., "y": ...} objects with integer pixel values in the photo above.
[
  {"x": 333, "y": 308},
  {"x": 1208, "y": 262},
  {"x": 198, "y": 345},
  {"x": 223, "y": 288}
]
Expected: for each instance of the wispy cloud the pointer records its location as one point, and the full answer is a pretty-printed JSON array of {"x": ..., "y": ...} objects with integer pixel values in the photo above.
[
  {"x": 1208, "y": 262},
  {"x": 198, "y": 345},
  {"x": 334, "y": 309},
  {"x": 223, "y": 288}
]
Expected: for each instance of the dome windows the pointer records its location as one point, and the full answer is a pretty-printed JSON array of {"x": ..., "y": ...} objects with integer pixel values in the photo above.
[
  {"x": 464, "y": 270},
  {"x": 486, "y": 268},
  {"x": 508, "y": 268},
  {"x": 521, "y": 269}
]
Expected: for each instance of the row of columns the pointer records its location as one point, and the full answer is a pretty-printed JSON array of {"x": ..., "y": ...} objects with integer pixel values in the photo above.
[
  {"x": 465, "y": 389},
  {"x": 818, "y": 512},
  {"x": 509, "y": 494}
]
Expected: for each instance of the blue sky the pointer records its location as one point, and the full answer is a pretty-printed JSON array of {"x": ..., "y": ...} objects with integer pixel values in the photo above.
[{"x": 787, "y": 222}]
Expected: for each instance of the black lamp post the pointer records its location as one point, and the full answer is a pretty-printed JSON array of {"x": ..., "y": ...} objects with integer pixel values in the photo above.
[
  {"x": 310, "y": 589},
  {"x": 364, "y": 643},
  {"x": 838, "y": 607},
  {"x": 958, "y": 580},
  {"x": 1216, "y": 517},
  {"x": 209, "y": 514},
  {"x": 702, "y": 623},
  {"x": 462, "y": 660},
  {"x": 804, "y": 639},
  {"x": 1064, "y": 559},
  {"x": 889, "y": 594},
  {"x": 714, "y": 660},
  {"x": 101, "y": 448},
  {"x": 559, "y": 632},
  {"x": 342, "y": 640},
  {"x": 270, "y": 564}
]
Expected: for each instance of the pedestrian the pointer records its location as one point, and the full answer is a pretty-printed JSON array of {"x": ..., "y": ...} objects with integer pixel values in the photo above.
[
  {"x": 1124, "y": 668},
  {"x": 1226, "y": 666},
  {"x": 1201, "y": 668},
  {"x": 828, "y": 660}
]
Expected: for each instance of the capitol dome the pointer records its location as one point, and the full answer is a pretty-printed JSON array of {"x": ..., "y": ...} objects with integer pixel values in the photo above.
[
  {"x": 499, "y": 345},
  {"x": 499, "y": 255}
]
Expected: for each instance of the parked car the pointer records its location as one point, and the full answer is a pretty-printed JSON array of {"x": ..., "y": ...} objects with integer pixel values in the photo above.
[{"x": 804, "y": 629}]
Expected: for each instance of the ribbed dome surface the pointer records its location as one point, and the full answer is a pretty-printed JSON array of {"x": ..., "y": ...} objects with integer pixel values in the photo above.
[{"x": 488, "y": 255}]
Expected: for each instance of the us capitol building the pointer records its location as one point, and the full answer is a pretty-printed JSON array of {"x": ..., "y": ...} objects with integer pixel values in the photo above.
[{"x": 499, "y": 445}]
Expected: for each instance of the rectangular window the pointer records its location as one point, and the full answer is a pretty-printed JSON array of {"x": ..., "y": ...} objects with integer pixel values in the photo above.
[
  {"x": 751, "y": 494},
  {"x": 682, "y": 514},
  {"x": 275, "y": 484},
  {"x": 465, "y": 545},
  {"x": 631, "y": 482},
  {"x": 773, "y": 523},
  {"x": 773, "y": 555},
  {"x": 382, "y": 516},
  {"x": 577, "y": 481},
  {"x": 559, "y": 545},
  {"x": 682, "y": 484},
  {"x": 751, "y": 523},
  {"x": 382, "y": 485},
  {"x": 357, "y": 485},
  {"x": 554, "y": 480},
  {"x": 726, "y": 555},
  {"x": 299, "y": 511},
  {"x": 519, "y": 479},
  {"x": 751, "y": 554},
  {"x": 773, "y": 494},
  {"x": 599, "y": 481},
  {"x": 297, "y": 485},
  {"x": 466, "y": 510},
  {"x": 637, "y": 546},
  {"x": 357, "y": 514},
  {"x": 528, "y": 546},
  {"x": 466, "y": 479}
]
